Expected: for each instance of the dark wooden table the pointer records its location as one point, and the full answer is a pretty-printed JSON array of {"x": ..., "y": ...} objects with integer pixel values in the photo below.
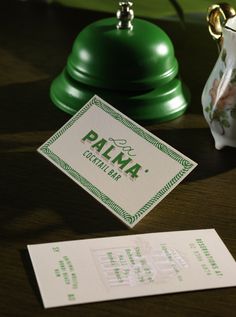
[{"x": 40, "y": 204}]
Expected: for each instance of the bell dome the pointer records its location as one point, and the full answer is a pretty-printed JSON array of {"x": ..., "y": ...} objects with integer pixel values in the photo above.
[{"x": 111, "y": 58}]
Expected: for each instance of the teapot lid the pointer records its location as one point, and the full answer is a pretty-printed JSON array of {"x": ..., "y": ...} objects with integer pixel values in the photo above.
[{"x": 126, "y": 56}]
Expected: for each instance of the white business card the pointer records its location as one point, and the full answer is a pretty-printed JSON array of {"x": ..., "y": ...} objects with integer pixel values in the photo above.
[
  {"x": 93, "y": 270},
  {"x": 126, "y": 168}
]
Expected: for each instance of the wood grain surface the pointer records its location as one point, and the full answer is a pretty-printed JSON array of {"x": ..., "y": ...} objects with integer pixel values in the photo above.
[{"x": 40, "y": 204}]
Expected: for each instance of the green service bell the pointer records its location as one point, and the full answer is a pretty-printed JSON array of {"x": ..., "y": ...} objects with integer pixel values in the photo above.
[{"x": 130, "y": 64}]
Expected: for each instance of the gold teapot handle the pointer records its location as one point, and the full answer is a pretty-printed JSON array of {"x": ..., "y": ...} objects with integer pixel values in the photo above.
[{"x": 217, "y": 16}]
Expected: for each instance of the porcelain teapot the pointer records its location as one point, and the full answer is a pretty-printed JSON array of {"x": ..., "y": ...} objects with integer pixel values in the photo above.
[{"x": 219, "y": 94}]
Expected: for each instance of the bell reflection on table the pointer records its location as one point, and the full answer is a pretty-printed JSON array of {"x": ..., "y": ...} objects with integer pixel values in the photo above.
[{"x": 130, "y": 64}]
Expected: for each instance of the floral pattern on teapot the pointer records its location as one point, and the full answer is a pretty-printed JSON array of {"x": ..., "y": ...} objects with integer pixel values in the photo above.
[
  {"x": 222, "y": 105},
  {"x": 219, "y": 95}
]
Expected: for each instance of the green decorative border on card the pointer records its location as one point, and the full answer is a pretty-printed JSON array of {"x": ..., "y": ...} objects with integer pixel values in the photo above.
[{"x": 129, "y": 219}]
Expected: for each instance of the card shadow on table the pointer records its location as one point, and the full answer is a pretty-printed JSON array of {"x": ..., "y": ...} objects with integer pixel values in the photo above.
[
  {"x": 30, "y": 274},
  {"x": 43, "y": 200},
  {"x": 198, "y": 144}
]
